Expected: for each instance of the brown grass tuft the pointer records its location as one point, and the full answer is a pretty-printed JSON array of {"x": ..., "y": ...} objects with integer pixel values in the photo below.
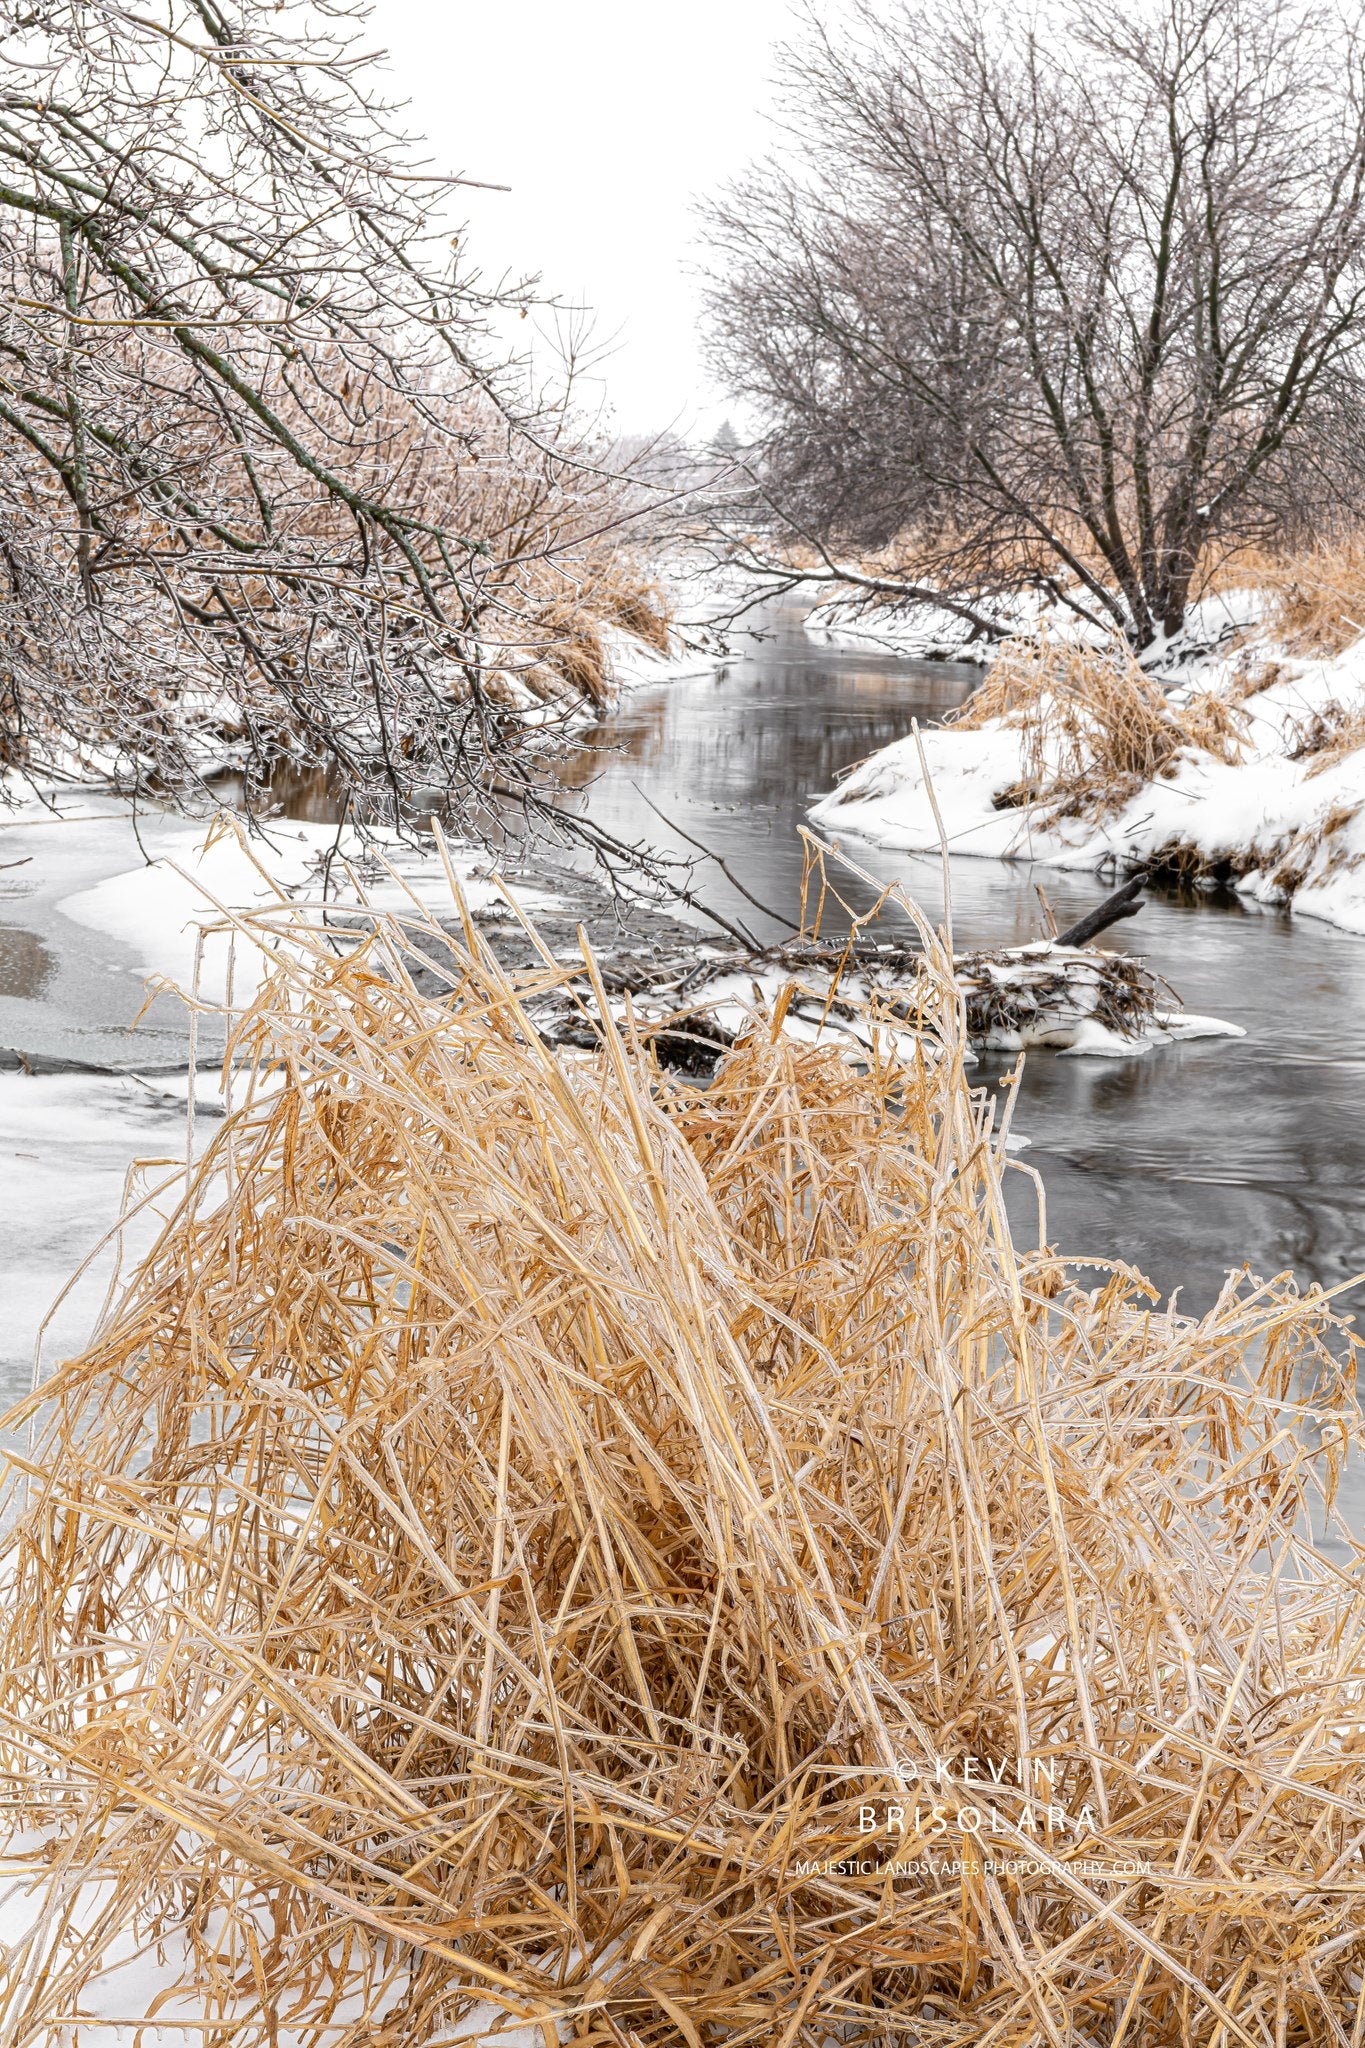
[
  {"x": 524, "y": 1516},
  {"x": 1211, "y": 724},
  {"x": 1096, "y": 726},
  {"x": 1318, "y": 598},
  {"x": 571, "y": 657},
  {"x": 568, "y": 654},
  {"x": 642, "y": 609},
  {"x": 1328, "y": 734}
]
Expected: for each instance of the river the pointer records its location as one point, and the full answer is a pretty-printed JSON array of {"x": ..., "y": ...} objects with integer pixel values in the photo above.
[{"x": 1186, "y": 1162}]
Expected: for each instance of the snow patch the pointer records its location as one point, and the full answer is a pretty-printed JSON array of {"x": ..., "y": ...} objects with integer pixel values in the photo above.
[{"x": 165, "y": 911}]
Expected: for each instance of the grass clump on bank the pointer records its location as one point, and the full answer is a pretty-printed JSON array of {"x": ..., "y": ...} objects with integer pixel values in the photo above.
[
  {"x": 1317, "y": 597},
  {"x": 1095, "y": 727},
  {"x": 526, "y": 1515},
  {"x": 569, "y": 655}
]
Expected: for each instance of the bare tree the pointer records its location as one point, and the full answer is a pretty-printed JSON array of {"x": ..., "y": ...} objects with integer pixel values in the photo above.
[
  {"x": 1071, "y": 299},
  {"x": 266, "y": 466}
]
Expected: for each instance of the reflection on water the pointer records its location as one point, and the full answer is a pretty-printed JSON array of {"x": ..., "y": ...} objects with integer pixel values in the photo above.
[
  {"x": 734, "y": 760},
  {"x": 25, "y": 963},
  {"x": 312, "y": 794}
]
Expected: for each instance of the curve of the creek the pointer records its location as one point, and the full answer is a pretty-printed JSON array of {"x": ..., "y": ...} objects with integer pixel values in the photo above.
[{"x": 1188, "y": 1161}]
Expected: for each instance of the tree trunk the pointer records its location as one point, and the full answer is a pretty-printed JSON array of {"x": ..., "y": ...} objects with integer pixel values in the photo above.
[{"x": 1180, "y": 558}]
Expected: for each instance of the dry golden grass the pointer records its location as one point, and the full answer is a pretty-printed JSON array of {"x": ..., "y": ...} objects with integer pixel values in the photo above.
[
  {"x": 1328, "y": 734},
  {"x": 640, "y": 607},
  {"x": 1319, "y": 598},
  {"x": 1210, "y": 723},
  {"x": 570, "y": 655},
  {"x": 567, "y": 654},
  {"x": 523, "y": 1512},
  {"x": 1096, "y": 726},
  {"x": 1317, "y": 595}
]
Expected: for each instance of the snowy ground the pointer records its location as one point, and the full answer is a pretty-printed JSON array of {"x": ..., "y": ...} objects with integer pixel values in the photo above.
[
  {"x": 159, "y": 910},
  {"x": 73, "y": 1149},
  {"x": 1284, "y": 820},
  {"x": 926, "y": 632},
  {"x": 921, "y": 632}
]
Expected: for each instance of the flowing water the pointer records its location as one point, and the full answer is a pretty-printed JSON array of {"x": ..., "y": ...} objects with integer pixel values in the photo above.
[{"x": 1187, "y": 1160}]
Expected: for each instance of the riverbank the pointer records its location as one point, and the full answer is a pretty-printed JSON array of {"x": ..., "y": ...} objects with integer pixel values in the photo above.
[
  {"x": 1248, "y": 770},
  {"x": 925, "y": 632}
]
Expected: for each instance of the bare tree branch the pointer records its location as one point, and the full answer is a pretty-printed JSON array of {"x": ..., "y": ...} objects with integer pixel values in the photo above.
[{"x": 270, "y": 484}]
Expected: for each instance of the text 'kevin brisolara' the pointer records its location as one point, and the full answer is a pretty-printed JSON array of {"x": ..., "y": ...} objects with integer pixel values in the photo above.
[{"x": 1026, "y": 1780}]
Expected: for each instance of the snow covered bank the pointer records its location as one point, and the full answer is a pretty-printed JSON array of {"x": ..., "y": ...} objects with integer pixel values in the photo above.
[
  {"x": 175, "y": 909},
  {"x": 1273, "y": 803},
  {"x": 919, "y": 631},
  {"x": 928, "y": 633},
  {"x": 701, "y": 598},
  {"x": 632, "y": 664}
]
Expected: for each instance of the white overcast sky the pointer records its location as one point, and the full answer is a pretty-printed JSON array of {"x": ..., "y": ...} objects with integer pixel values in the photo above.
[{"x": 607, "y": 118}]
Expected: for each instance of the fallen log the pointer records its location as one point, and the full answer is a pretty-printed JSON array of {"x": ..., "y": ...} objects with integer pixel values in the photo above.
[
  {"x": 1125, "y": 902},
  {"x": 689, "y": 995}
]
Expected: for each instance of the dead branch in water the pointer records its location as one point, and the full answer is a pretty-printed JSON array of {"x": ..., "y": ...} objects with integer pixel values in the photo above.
[{"x": 1125, "y": 902}]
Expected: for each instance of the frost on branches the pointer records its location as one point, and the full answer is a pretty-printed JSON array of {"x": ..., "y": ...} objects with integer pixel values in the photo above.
[{"x": 269, "y": 484}]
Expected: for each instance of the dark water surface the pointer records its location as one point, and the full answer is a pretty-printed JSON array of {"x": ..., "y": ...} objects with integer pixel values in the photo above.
[{"x": 1187, "y": 1160}]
